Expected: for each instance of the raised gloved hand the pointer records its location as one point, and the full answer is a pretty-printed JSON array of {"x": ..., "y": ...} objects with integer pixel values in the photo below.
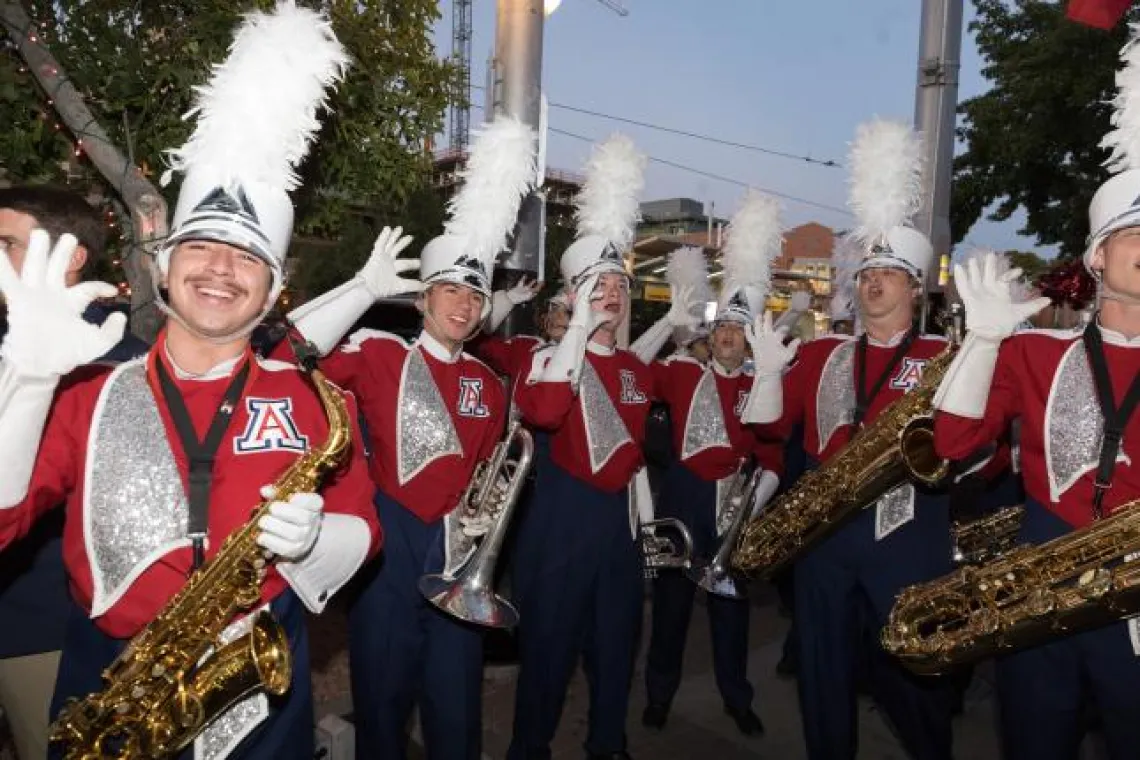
[
  {"x": 47, "y": 335},
  {"x": 769, "y": 354},
  {"x": 291, "y": 527},
  {"x": 524, "y": 290},
  {"x": 680, "y": 313},
  {"x": 382, "y": 272},
  {"x": 991, "y": 313},
  {"x": 583, "y": 316}
]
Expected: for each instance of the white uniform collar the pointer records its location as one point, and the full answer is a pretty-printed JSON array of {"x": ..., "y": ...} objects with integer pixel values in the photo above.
[
  {"x": 437, "y": 349},
  {"x": 896, "y": 339},
  {"x": 599, "y": 349},
  {"x": 720, "y": 370},
  {"x": 225, "y": 369},
  {"x": 1113, "y": 338}
]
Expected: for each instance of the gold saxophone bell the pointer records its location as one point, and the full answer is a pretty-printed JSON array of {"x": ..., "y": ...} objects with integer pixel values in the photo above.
[{"x": 470, "y": 593}]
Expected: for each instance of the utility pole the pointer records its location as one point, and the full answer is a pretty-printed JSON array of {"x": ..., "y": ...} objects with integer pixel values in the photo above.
[
  {"x": 516, "y": 76},
  {"x": 936, "y": 101}
]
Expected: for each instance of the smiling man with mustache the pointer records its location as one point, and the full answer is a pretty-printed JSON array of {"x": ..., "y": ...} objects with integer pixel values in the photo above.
[{"x": 162, "y": 458}]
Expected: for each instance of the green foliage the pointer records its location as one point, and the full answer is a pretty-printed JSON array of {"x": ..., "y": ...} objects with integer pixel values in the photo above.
[
  {"x": 135, "y": 65},
  {"x": 1030, "y": 264},
  {"x": 1032, "y": 139}
]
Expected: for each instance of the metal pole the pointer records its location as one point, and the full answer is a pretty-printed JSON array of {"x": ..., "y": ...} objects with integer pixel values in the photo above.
[
  {"x": 517, "y": 75},
  {"x": 936, "y": 99}
]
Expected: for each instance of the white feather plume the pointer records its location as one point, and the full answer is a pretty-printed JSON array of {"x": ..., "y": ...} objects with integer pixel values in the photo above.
[
  {"x": 753, "y": 240},
  {"x": 607, "y": 205},
  {"x": 886, "y": 177},
  {"x": 1124, "y": 140},
  {"x": 258, "y": 113},
  {"x": 687, "y": 268},
  {"x": 846, "y": 257},
  {"x": 500, "y": 170}
]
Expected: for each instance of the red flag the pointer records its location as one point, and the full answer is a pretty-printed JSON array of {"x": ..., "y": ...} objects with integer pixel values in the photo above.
[{"x": 1101, "y": 14}]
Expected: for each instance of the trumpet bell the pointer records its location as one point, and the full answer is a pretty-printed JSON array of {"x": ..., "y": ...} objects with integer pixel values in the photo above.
[
  {"x": 714, "y": 580},
  {"x": 468, "y": 602}
]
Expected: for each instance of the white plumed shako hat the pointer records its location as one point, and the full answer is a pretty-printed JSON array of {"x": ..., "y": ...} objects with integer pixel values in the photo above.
[
  {"x": 606, "y": 210},
  {"x": 256, "y": 119},
  {"x": 1116, "y": 204},
  {"x": 886, "y": 192},
  {"x": 753, "y": 240},
  {"x": 499, "y": 172}
]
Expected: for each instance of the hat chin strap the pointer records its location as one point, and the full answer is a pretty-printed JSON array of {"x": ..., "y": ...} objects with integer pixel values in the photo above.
[{"x": 1108, "y": 294}]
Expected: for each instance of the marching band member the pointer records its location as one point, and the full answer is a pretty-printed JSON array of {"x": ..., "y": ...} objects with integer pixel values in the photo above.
[
  {"x": 578, "y": 569},
  {"x": 34, "y": 585},
  {"x": 836, "y": 385},
  {"x": 433, "y": 412},
  {"x": 1074, "y": 393},
  {"x": 148, "y": 499},
  {"x": 711, "y": 445}
]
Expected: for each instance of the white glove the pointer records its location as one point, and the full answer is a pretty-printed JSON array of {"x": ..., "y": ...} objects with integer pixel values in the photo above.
[
  {"x": 800, "y": 302},
  {"x": 566, "y": 362},
  {"x": 680, "y": 313},
  {"x": 524, "y": 290},
  {"x": 291, "y": 527},
  {"x": 991, "y": 313},
  {"x": 476, "y": 526},
  {"x": 769, "y": 354},
  {"x": 381, "y": 274},
  {"x": 47, "y": 335},
  {"x": 502, "y": 301},
  {"x": 991, "y": 316}
]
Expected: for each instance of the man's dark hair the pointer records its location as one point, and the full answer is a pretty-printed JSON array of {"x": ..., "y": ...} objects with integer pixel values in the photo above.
[{"x": 58, "y": 210}]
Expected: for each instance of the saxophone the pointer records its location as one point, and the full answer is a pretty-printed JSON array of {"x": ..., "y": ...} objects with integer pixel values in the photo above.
[
  {"x": 898, "y": 445},
  {"x": 168, "y": 684},
  {"x": 1027, "y": 596}
]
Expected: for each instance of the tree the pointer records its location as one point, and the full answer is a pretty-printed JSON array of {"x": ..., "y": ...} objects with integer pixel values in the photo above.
[
  {"x": 1032, "y": 141},
  {"x": 134, "y": 65},
  {"x": 1030, "y": 264}
]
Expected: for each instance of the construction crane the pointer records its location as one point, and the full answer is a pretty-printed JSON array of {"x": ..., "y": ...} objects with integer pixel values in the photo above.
[{"x": 459, "y": 122}]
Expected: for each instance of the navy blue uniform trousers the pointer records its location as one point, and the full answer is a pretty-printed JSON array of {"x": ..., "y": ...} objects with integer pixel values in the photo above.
[
  {"x": 287, "y": 734},
  {"x": 1041, "y": 690},
  {"x": 404, "y": 651},
  {"x": 844, "y": 584},
  {"x": 693, "y": 501},
  {"x": 579, "y": 588}
]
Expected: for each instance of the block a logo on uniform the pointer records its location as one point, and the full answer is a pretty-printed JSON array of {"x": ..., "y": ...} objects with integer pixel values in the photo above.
[
  {"x": 471, "y": 398},
  {"x": 629, "y": 391},
  {"x": 909, "y": 374},
  {"x": 741, "y": 400},
  {"x": 270, "y": 428}
]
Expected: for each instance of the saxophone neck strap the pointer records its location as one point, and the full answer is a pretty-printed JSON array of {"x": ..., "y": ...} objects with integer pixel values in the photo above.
[
  {"x": 1115, "y": 418},
  {"x": 200, "y": 453},
  {"x": 863, "y": 399}
]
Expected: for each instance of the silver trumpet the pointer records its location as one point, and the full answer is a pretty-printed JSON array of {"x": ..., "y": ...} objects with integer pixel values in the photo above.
[
  {"x": 716, "y": 576},
  {"x": 659, "y": 552},
  {"x": 469, "y": 593}
]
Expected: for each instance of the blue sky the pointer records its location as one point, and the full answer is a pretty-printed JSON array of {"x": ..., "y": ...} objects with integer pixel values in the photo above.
[{"x": 797, "y": 77}]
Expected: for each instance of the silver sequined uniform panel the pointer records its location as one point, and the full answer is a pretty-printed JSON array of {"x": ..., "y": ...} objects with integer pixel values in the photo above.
[
  {"x": 704, "y": 428},
  {"x": 223, "y": 734},
  {"x": 134, "y": 508},
  {"x": 605, "y": 430},
  {"x": 1074, "y": 425},
  {"x": 424, "y": 425},
  {"x": 894, "y": 509},
  {"x": 835, "y": 400}
]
